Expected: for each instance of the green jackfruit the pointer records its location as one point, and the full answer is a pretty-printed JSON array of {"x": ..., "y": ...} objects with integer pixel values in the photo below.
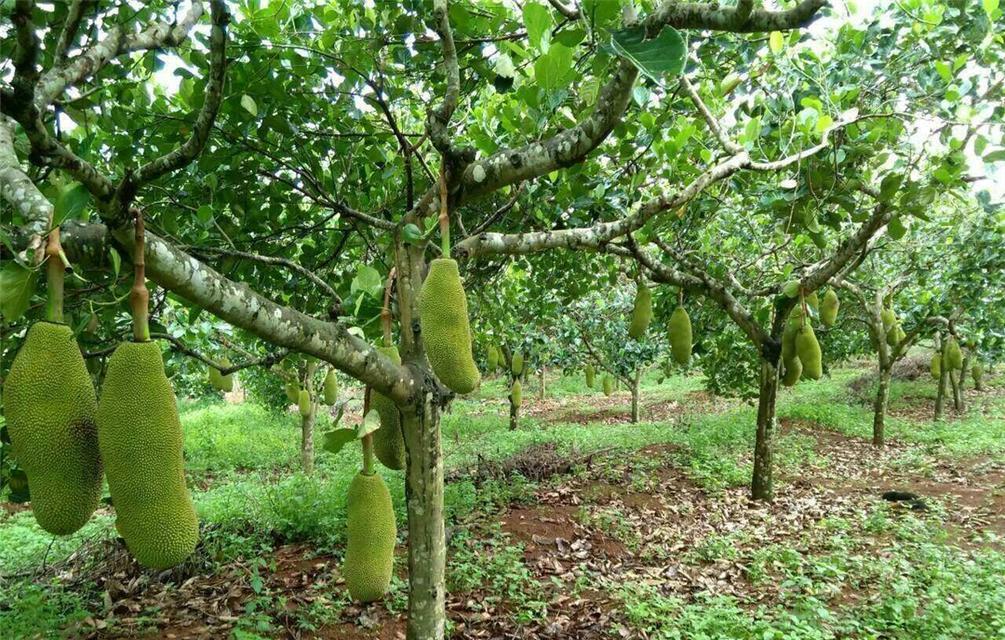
[
  {"x": 591, "y": 375},
  {"x": 680, "y": 336},
  {"x": 330, "y": 388},
  {"x": 812, "y": 300},
  {"x": 215, "y": 379},
  {"x": 493, "y": 358},
  {"x": 388, "y": 441},
  {"x": 977, "y": 371},
  {"x": 829, "y": 308},
  {"x": 936, "y": 366},
  {"x": 792, "y": 326},
  {"x": 516, "y": 394},
  {"x": 304, "y": 403},
  {"x": 516, "y": 364},
  {"x": 888, "y": 317},
  {"x": 793, "y": 371},
  {"x": 443, "y": 314},
  {"x": 895, "y": 335},
  {"x": 50, "y": 409},
  {"x": 140, "y": 439},
  {"x": 370, "y": 538},
  {"x": 608, "y": 385},
  {"x": 808, "y": 350},
  {"x": 293, "y": 392},
  {"x": 224, "y": 383},
  {"x": 954, "y": 355},
  {"x": 642, "y": 313}
]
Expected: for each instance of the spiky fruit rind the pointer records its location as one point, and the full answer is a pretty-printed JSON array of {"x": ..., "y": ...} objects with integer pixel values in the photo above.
[
  {"x": 888, "y": 317},
  {"x": 516, "y": 394},
  {"x": 954, "y": 355},
  {"x": 50, "y": 409},
  {"x": 591, "y": 375},
  {"x": 330, "y": 388},
  {"x": 370, "y": 538},
  {"x": 304, "y": 403},
  {"x": 140, "y": 439},
  {"x": 808, "y": 351},
  {"x": 977, "y": 371},
  {"x": 443, "y": 314},
  {"x": 829, "y": 308},
  {"x": 793, "y": 371},
  {"x": 292, "y": 390},
  {"x": 388, "y": 441},
  {"x": 680, "y": 336},
  {"x": 608, "y": 385},
  {"x": 516, "y": 364},
  {"x": 895, "y": 335},
  {"x": 492, "y": 358},
  {"x": 642, "y": 313},
  {"x": 936, "y": 367},
  {"x": 215, "y": 379},
  {"x": 813, "y": 300}
]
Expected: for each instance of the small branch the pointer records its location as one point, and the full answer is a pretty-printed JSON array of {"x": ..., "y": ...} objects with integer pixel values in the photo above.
[
  {"x": 713, "y": 124},
  {"x": 289, "y": 264},
  {"x": 179, "y": 346},
  {"x": 70, "y": 27},
  {"x": 438, "y": 120}
]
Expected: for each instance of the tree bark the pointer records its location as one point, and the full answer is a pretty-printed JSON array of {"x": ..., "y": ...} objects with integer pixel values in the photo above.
[
  {"x": 940, "y": 396},
  {"x": 542, "y": 388},
  {"x": 879, "y": 407},
  {"x": 307, "y": 439},
  {"x": 514, "y": 414},
  {"x": 761, "y": 484},
  {"x": 426, "y": 540},
  {"x": 635, "y": 395},
  {"x": 957, "y": 395}
]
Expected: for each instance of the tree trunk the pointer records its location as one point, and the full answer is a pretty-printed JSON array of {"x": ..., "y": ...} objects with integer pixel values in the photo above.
[
  {"x": 761, "y": 484},
  {"x": 957, "y": 395},
  {"x": 963, "y": 374},
  {"x": 542, "y": 388},
  {"x": 307, "y": 439},
  {"x": 879, "y": 407},
  {"x": 426, "y": 541},
  {"x": 635, "y": 395},
  {"x": 940, "y": 396}
]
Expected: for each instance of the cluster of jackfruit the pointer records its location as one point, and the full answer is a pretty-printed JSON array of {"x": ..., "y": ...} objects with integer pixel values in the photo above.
[
  {"x": 680, "y": 336},
  {"x": 954, "y": 355},
  {"x": 516, "y": 364},
  {"x": 388, "y": 441},
  {"x": 443, "y": 318},
  {"x": 642, "y": 313},
  {"x": 516, "y": 394},
  {"x": 801, "y": 355},
  {"x": 221, "y": 382},
  {"x": 591, "y": 375},
  {"x": 51, "y": 409},
  {"x": 330, "y": 388},
  {"x": 140, "y": 439},
  {"x": 371, "y": 533}
]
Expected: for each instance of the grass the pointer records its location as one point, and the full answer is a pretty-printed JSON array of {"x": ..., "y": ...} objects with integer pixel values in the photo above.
[{"x": 242, "y": 461}]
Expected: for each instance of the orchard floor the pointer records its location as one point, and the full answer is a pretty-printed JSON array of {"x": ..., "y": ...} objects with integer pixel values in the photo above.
[{"x": 577, "y": 525}]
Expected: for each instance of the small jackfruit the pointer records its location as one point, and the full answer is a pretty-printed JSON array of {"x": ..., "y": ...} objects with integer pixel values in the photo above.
[
  {"x": 330, "y": 388},
  {"x": 591, "y": 375},
  {"x": 895, "y": 335},
  {"x": 388, "y": 440},
  {"x": 493, "y": 358},
  {"x": 516, "y": 394},
  {"x": 443, "y": 317},
  {"x": 977, "y": 371},
  {"x": 293, "y": 392},
  {"x": 215, "y": 379},
  {"x": 954, "y": 355},
  {"x": 812, "y": 300},
  {"x": 793, "y": 371},
  {"x": 829, "y": 308},
  {"x": 370, "y": 538},
  {"x": 140, "y": 439},
  {"x": 680, "y": 336},
  {"x": 936, "y": 366},
  {"x": 304, "y": 403},
  {"x": 225, "y": 383},
  {"x": 808, "y": 350},
  {"x": 516, "y": 364},
  {"x": 888, "y": 317},
  {"x": 792, "y": 326},
  {"x": 642, "y": 313},
  {"x": 608, "y": 385},
  {"x": 50, "y": 408}
]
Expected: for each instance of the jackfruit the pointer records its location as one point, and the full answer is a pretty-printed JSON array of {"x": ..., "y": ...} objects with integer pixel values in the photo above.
[
  {"x": 793, "y": 371},
  {"x": 443, "y": 316},
  {"x": 591, "y": 374},
  {"x": 140, "y": 439},
  {"x": 370, "y": 538},
  {"x": 304, "y": 403},
  {"x": 792, "y": 326},
  {"x": 388, "y": 441},
  {"x": 808, "y": 350},
  {"x": 977, "y": 371},
  {"x": 516, "y": 364},
  {"x": 954, "y": 355},
  {"x": 888, "y": 317},
  {"x": 330, "y": 388},
  {"x": 50, "y": 408},
  {"x": 221, "y": 382},
  {"x": 608, "y": 385},
  {"x": 493, "y": 358},
  {"x": 680, "y": 336},
  {"x": 936, "y": 366},
  {"x": 829, "y": 308},
  {"x": 215, "y": 379},
  {"x": 642, "y": 313},
  {"x": 895, "y": 335},
  {"x": 293, "y": 392},
  {"x": 516, "y": 394},
  {"x": 812, "y": 300}
]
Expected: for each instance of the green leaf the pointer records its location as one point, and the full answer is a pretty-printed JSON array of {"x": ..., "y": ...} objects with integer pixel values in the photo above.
[
  {"x": 776, "y": 42},
  {"x": 116, "y": 260},
  {"x": 17, "y": 285},
  {"x": 205, "y": 215},
  {"x": 945, "y": 71},
  {"x": 889, "y": 187},
  {"x": 71, "y": 201},
  {"x": 537, "y": 19},
  {"x": 657, "y": 58},
  {"x": 335, "y": 439},
  {"x": 368, "y": 281},
  {"x": 995, "y": 156},
  {"x": 990, "y": 6},
  {"x": 249, "y": 105},
  {"x": 553, "y": 70},
  {"x": 897, "y": 229},
  {"x": 371, "y": 422}
]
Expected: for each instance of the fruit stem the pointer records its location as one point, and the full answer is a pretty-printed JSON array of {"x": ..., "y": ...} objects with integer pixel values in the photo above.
[
  {"x": 367, "y": 439},
  {"x": 385, "y": 312},
  {"x": 139, "y": 297},
  {"x": 54, "y": 277},
  {"x": 444, "y": 214}
]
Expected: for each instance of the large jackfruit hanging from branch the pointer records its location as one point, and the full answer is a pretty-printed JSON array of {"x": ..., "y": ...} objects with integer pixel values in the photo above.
[
  {"x": 219, "y": 381},
  {"x": 140, "y": 439},
  {"x": 829, "y": 308},
  {"x": 370, "y": 539},
  {"x": 954, "y": 355},
  {"x": 808, "y": 351},
  {"x": 591, "y": 375},
  {"x": 888, "y": 317},
  {"x": 608, "y": 385},
  {"x": 793, "y": 371},
  {"x": 516, "y": 364},
  {"x": 388, "y": 440},
  {"x": 492, "y": 358},
  {"x": 304, "y": 403},
  {"x": 642, "y": 313},
  {"x": 936, "y": 366},
  {"x": 50, "y": 408},
  {"x": 330, "y": 388},
  {"x": 516, "y": 394},
  {"x": 680, "y": 336},
  {"x": 443, "y": 316}
]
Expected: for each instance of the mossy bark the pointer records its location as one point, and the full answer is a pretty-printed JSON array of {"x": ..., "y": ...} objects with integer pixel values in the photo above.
[
  {"x": 307, "y": 439},
  {"x": 940, "y": 396},
  {"x": 761, "y": 487},
  {"x": 879, "y": 407},
  {"x": 635, "y": 395}
]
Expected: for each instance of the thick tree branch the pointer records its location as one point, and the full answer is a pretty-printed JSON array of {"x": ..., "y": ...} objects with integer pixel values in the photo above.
[
  {"x": 438, "y": 120},
  {"x": 19, "y": 190},
  {"x": 742, "y": 18},
  {"x": 74, "y": 15}
]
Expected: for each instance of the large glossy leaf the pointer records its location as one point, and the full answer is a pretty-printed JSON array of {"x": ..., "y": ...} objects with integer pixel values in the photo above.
[
  {"x": 659, "y": 58},
  {"x": 17, "y": 285}
]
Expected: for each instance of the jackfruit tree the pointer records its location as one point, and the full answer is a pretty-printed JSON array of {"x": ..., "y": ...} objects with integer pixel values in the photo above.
[{"x": 280, "y": 202}]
